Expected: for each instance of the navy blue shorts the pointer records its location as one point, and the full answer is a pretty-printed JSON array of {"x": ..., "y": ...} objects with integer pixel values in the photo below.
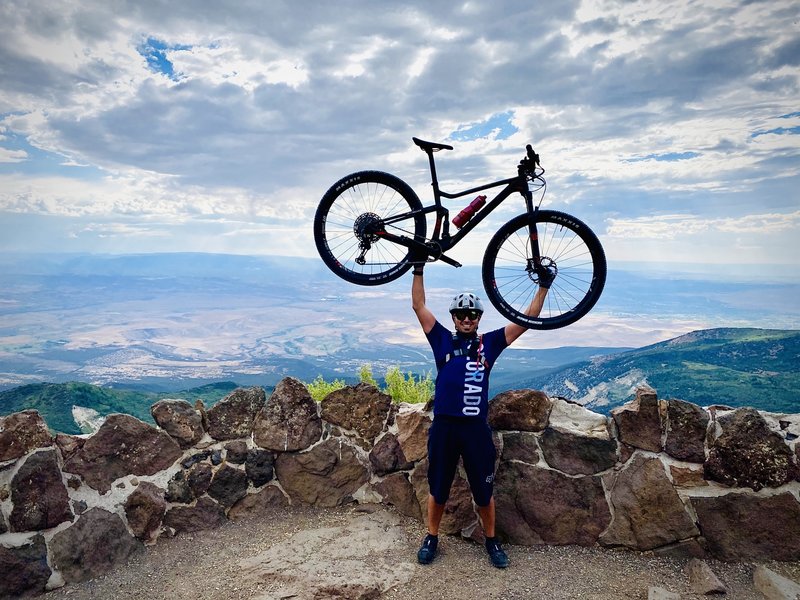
[{"x": 451, "y": 438}]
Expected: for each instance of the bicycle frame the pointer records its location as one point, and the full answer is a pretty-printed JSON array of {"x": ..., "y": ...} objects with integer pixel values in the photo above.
[{"x": 441, "y": 240}]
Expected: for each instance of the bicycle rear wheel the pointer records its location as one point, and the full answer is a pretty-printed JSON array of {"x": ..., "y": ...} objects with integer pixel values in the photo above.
[
  {"x": 350, "y": 219},
  {"x": 564, "y": 242}
]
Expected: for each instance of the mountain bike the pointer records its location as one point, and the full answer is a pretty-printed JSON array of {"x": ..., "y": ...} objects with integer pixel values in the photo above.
[{"x": 371, "y": 227}]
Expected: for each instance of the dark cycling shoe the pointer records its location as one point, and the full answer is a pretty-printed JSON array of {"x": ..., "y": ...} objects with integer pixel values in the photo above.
[
  {"x": 427, "y": 551},
  {"x": 496, "y": 554}
]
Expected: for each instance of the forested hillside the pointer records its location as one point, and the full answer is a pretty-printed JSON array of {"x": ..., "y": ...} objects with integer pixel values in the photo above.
[
  {"x": 736, "y": 367},
  {"x": 55, "y": 401}
]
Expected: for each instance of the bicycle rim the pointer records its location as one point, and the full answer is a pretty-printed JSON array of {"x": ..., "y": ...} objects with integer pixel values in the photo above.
[
  {"x": 347, "y": 221},
  {"x": 565, "y": 242}
]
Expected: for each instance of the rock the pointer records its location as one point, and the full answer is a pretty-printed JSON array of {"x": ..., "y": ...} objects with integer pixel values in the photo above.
[
  {"x": 536, "y": 506},
  {"x": 577, "y": 419},
  {"x": 577, "y": 454},
  {"x": 206, "y": 514},
  {"x": 357, "y": 561},
  {"x": 647, "y": 510},
  {"x": 122, "y": 446},
  {"x": 236, "y": 452},
  {"x": 195, "y": 458},
  {"x": 774, "y": 586},
  {"x": 748, "y": 453},
  {"x": 520, "y": 410},
  {"x": 260, "y": 467},
  {"x": 24, "y": 568},
  {"x": 520, "y": 445},
  {"x": 199, "y": 480},
  {"x": 639, "y": 421},
  {"x": 38, "y": 493},
  {"x": 657, "y": 593},
  {"x": 748, "y": 527},
  {"x": 3, "y": 526},
  {"x": 289, "y": 420},
  {"x": 144, "y": 510},
  {"x": 703, "y": 580},
  {"x": 459, "y": 513},
  {"x": 178, "y": 489},
  {"x": 233, "y": 416},
  {"x": 21, "y": 433},
  {"x": 228, "y": 486},
  {"x": 325, "y": 476},
  {"x": 687, "y": 477},
  {"x": 263, "y": 501},
  {"x": 179, "y": 420},
  {"x": 397, "y": 490},
  {"x": 216, "y": 457},
  {"x": 68, "y": 444},
  {"x": 362, "y": 408},
  {"x": 94, "y": 545},
  {"x": 687, "y": 425},
  {"x": 387, "y": 456},
  {"x": 412, "y": 433}
]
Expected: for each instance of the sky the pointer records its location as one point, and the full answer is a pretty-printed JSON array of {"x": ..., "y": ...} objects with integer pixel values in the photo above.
[{"x": 672, "y": 128}]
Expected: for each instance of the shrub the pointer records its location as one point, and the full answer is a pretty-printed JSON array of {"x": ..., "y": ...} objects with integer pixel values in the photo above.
[{"x": 401, "y": 387}]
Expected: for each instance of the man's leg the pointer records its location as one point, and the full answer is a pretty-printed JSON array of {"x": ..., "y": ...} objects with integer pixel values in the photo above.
[
  {"x": 487, "y": 514},
  {"x": 435, "y": 512}
]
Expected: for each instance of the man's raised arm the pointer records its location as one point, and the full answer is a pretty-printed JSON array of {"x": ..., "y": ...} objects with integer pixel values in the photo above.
[{"x": 425, "y": 316}]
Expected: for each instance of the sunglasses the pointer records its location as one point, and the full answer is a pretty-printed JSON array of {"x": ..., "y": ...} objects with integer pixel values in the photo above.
[{"x": 474, "y": 315}]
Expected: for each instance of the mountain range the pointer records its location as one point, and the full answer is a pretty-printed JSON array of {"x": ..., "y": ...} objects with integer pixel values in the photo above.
[
  {"x": 734, "y": 367},
  {"x": 727, "y": 366}
]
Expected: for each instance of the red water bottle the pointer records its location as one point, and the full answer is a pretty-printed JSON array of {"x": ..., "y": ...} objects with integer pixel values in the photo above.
[{"x": 465, "y": 215}]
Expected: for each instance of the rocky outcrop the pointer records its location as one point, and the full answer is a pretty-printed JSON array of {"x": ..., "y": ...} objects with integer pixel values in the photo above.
[
  {"x": 180, "y": 420},
  {"x": 327, "y": 475},
  {"x": 289, "y": 421},
  {"x": 361, "y": 408},
  {"x": 24, "y": 568},
  {"x": 747, "y": 453},
  {"x": 639, "y": 421},
  {"x": 662, "y": 476},
  {"x": 21, "y": 433},
  {"x": 233, "y": 416},
  {"x": 687, "y": 425},
  {"x": 92, "y": 546},
  {"x": 741, "y": 526},
  {"x": 122, "y": 446},
  {"x": 648, "y": 512},
  {"x": 38, "y": 494},
  {"x": 144, "y": 511},
  {"x": 542, "y": 506},
  {"x": 523, "y": 410}
]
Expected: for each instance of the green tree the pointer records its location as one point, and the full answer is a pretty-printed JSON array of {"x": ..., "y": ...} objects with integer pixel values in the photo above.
[
  {"x": 365, "y": 375},
  {"x": 319, "y": 388},
  {"x": 406, "y": 388}
]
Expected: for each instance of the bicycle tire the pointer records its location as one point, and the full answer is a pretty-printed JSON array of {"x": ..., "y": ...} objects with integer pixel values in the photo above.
[
  {"x": 564, "y": 240},
  {"x": 347, "y": 214}
]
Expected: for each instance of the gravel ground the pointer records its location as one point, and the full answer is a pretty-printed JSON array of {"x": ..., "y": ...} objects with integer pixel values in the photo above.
[{"x": 206, "y": 565}]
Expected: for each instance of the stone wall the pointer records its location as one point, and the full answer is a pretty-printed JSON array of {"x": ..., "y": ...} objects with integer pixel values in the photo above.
[{"x": 658, "y": 475}]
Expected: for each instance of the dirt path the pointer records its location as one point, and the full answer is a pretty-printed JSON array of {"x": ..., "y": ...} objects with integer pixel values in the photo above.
[{"x": 370, "y": 552}]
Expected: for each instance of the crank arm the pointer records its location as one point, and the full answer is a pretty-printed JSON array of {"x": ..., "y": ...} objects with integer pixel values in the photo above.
[{"x": 403, "y": 240}]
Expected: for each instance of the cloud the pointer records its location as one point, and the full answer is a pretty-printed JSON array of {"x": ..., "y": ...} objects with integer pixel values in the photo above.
[{"x": 248, "y": 112}]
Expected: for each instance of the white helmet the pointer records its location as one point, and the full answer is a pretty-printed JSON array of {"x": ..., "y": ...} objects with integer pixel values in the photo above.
[{"x": 466, "y": 301}]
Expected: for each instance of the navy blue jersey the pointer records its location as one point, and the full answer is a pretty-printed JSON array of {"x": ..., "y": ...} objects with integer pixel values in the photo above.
[{"x": 463, "y": 365}]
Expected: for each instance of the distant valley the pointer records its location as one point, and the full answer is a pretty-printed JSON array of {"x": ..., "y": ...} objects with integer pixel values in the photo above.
[{"x": 167, "y": 323}]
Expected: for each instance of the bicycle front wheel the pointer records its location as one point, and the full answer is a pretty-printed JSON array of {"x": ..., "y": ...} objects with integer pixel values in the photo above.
[
  {"x": 565, "y": 243},
  {"x": 351, "y": 218}
]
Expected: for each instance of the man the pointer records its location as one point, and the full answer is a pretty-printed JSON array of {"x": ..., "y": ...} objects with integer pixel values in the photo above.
[{"x": 460, "y": 428}]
